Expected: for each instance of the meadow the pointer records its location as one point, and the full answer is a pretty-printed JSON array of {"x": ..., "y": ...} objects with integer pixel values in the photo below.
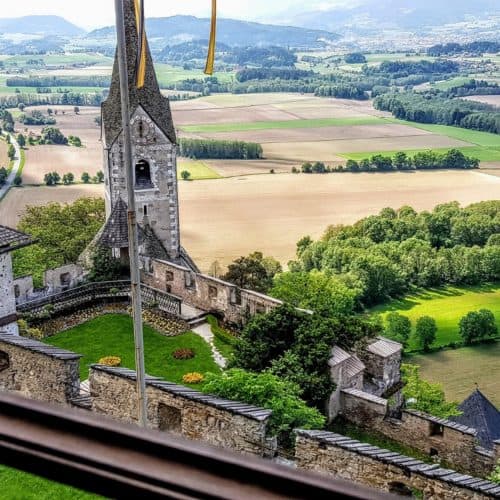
[
  {"x": 458, "y": 371},
  {"x": 447, "y": 306},
  {"x": 111, "y": 335}
]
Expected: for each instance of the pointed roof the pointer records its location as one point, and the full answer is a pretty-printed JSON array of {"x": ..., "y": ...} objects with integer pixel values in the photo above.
[
  {"x": 149, "y": 97},
  {"x": 115, "y": 232},
  {"x": 479, "y": 413},
  {"x": 10, "y": 239},
  {"x": 152, "y": 246}
]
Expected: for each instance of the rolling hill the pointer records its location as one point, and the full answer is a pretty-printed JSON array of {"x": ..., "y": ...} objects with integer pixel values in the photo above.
[
  {"x": 178, "y": 29},
  {"x": 40, "y": 25}
]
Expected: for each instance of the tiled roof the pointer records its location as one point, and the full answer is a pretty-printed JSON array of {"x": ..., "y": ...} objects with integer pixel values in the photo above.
[
  {"x": 149, "y": 97},
  {"x": 384, "y": 347},
  {"x": 244, "y": 409},
  {"x": 39, "y": 347},
  {"x": 10, "y": 239},
  {"x": 478, "y": 412},
  {"x": 412, "y": 465},
  {"x": 338, "y": 356},
  {"x": 115, "y": 232}
]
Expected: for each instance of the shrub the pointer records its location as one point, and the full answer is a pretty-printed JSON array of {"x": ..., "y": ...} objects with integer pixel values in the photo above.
[
  {"x": 193, "y": 378},
  {"x": 110, "y": 361},
  {"x": 184, "y": 353}
]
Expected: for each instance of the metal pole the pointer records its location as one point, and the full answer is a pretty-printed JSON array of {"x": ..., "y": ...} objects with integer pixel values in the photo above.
[{"x": 132, "y": 219}]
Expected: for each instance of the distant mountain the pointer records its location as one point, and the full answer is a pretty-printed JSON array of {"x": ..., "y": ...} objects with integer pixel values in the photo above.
[
  {"x": 402, "y": 14},
  {"x": 39, "y": 25},
  {"x": 179, "y": 29}
]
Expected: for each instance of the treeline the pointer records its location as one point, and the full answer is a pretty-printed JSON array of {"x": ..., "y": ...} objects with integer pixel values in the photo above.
[
  {"x": 426, "y": 108},
  {"x": 58, "y": 81},
  {"x": 272, "y": 73},
  {"x": 342, "y": 91},
  {"x": 383, "y": 256},
  {"x": 401, "y": 69},
  {"x": 472, "y": 87},
  {"x": 424, "y": 160},
  {"x": 476, "y": 48},
  {"x": 220, "y": 150},
  {"x": 53, "y": 99}
]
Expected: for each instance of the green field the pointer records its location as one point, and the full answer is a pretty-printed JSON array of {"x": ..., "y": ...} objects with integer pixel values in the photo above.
[
  {"x": 18, "y": 485},
  {"x": 459, "y": 370},
  {"x": 112, "y": 335},
  {"x": 168, "y": 74},
  {"x": 58, "y": 59},
  {"x": 198, "y": 170},
  {"x": 286, "y": 124},
  {"x": 447, "y": 306}
]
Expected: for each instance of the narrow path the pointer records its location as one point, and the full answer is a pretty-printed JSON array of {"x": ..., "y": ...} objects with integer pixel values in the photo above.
[
  {"x": 205, "y": 332},
  {"x": 15, "y": 168}
]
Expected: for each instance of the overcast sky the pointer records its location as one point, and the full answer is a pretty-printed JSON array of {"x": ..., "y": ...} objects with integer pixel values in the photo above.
[{"x": 98, "y": 13}]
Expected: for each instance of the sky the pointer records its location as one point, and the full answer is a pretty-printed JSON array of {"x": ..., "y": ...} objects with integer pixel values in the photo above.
[{"x": 98, "y": 13}]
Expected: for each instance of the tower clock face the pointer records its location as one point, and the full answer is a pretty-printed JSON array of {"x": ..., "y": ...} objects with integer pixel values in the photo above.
[{"x": 143, "y": 130}]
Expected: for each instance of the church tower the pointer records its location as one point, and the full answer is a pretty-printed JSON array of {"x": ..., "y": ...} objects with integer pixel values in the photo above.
[{"x": 154, "y": 150}]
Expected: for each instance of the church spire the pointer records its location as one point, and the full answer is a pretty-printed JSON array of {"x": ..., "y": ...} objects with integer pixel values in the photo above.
[{"x": 149, "y": 96}]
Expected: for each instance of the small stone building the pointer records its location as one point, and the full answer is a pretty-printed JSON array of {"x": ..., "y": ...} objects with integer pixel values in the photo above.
[{"x": 10, "y": 240}]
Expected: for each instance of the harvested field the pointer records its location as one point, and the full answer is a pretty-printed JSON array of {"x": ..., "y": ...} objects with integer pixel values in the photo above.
[
  {"x": 62, "y": 159},
  {"x": 4, "y": 159},
  {"x": 223, "y": 219},
  {"x": 494, "y": 100},
  {"x": 14, "y": 204},
  {"x": 328, "y": 133},
  {"x": 233, "y": 168}
]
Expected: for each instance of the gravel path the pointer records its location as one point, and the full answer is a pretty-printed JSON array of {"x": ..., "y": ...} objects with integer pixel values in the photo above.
[
  {"x": 15, "y": 168},
  {"x": 205, "y": 332}
]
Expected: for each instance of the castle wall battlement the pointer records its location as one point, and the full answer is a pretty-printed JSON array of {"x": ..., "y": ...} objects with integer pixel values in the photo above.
[{"x": 349, "y": 459}]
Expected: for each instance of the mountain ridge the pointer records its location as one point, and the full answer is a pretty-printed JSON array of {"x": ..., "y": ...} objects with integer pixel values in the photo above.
[{"x": 47, "y": 25}]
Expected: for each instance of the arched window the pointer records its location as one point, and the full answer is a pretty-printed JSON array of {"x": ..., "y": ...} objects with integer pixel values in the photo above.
[{"x": 143, "y": 175}]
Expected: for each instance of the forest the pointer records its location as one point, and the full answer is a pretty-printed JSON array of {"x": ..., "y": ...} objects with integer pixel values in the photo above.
[
  {"x": 428, "y": 108},
  {"x": 476, "y": 48},
  {"x": 220, "y": 150}
]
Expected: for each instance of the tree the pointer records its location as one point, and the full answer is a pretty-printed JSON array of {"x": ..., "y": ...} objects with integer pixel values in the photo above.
[
  {"x": 21, "y": 106},
  {"x": 425, "y": 396},
  {"x": 11, "y": 152},
  {"x": 105, "y": 267},
  {"x": 85, "y": 177},
  {"x": 18, "y": 180},
  {"x": 253, "y": 272},
  {"x": 307, "y": 168},
  {"x": 478, "y": 325},
  {"x": 75, "y": 141},
  {"x": 68, "y": 179},
  {"x": 398, "y": 327},
  {"x": 425, "y": 331},
  {"x": 3, "y": 175},
  {"x": 268, "y": 391},
  {"x": 76, "y": 109},
  {"x": 186, "y": 175},
  {"x": 50, "y": 111},
  {"x": 52, "y": 178},
  {"x": 21, "y": 140},
  {"x": 62, "y": 232},
  {"x": 52, "y": 135},
  {"x": 100, "y": 177}
]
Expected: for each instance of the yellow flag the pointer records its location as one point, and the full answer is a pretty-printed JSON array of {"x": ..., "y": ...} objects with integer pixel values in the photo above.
[
  {"x": 141, "y": 43},
  {"x": 209, "y": 68}
]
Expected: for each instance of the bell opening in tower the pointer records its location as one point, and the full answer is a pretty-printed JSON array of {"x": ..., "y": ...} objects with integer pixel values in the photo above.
[{"x": 143, "y": 175}]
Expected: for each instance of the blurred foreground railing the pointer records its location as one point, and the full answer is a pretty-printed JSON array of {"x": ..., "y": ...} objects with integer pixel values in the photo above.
[{"x": 122, "y": 461}]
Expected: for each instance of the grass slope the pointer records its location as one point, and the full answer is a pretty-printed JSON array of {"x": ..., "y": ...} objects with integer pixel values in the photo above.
[
  {"x": 199, "y": 170},
  {"x": 459, "y": 370},
  {"x": 112, "y": 335},
  {"x": 285, "y": 124},
  {"x": 447, "y": 306},
  {"x": 18, "y": 485}
]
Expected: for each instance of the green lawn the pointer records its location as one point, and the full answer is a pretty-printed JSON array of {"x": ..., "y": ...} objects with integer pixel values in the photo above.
[
  {"x": 268, "y": 125},
  {"x": 223, "y": 340},
  {"x": 199, "y": 170},
  {"x": 459, "y": 370},
  {"x": 18, "y": 485},
  {"x": 112, "y": 335},
  {"x": 447, "y": 306}
]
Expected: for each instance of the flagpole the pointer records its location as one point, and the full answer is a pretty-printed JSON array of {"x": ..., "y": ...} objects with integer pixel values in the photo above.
[{"x": 132, "y": 219}]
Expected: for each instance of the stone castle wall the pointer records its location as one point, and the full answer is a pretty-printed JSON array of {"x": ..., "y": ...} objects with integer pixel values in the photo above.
[
  {"x": 181, "y": 411},
  {"x": 209, "y": 294},
  {"x": 453, "y": 443},
  {"x": 346, "y": 458},
  {"x": 38, "y": 371},
  {"x": 7, "y": 298}
]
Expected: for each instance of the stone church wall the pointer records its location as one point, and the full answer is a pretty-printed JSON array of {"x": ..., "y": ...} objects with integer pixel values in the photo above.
[
  {"x": 207, "y": 293},
  {"x": 346, "y": 458},
  {"x": 38, "y": 371},
  {"x": 448, "y": 441},
  {"x": 183, "y": 411}
]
